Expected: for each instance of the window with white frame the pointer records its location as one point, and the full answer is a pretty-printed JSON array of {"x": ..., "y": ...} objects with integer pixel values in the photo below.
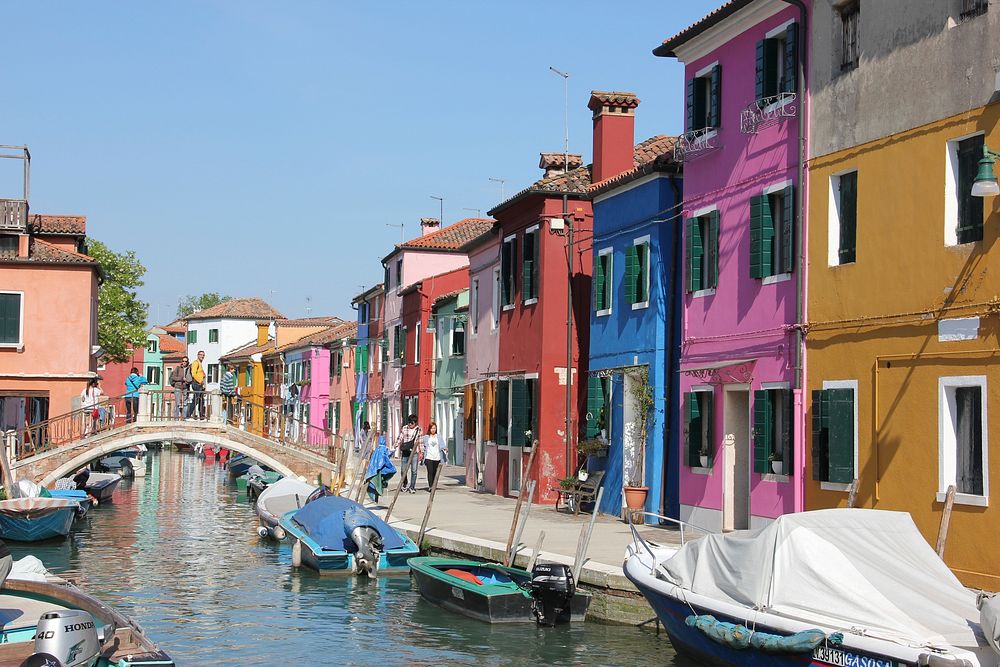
[
  {"x": 153, "y": 375},
  {"x": 457, "y": 339},
  {"x": 213, "y": 373},
  {"x": 474, "y": 308},
  {"x": 604, "y": 281},
  {"x": 416, "y": 345},
  {"x": 963, "y": 212},
  {"x": 842, "y": 221},
  {"x": 962, "y": 437},
  {"x": 835, "y": 434},
  {"x": 637, "y": 260},
  {"x": 529, "y": 265},
  {"x": 213, "y": 335},
  {"x": 704, "y": 99},
  {"x": 399, "y": 274},
  {"x": 152, "y": 345},
  {"x": 508, "y": 257},
  {"x": 11, "y": 318}
]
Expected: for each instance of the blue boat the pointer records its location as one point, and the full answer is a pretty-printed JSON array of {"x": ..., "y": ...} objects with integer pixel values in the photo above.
[
  {"x": 35, "y": 519},
  {"x": 83, "y": 500},
  {"x": 333, "y": 534},
  {"x": 239, "y": 464}
]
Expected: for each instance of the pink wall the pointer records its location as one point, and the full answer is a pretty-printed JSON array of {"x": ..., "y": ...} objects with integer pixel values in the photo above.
[{"x": 484, "y": 346}]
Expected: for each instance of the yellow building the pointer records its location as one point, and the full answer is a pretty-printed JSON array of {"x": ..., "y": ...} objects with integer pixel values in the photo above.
[
  {"x": 902, "y": 343},
  {"x": 250, "y": 377}
]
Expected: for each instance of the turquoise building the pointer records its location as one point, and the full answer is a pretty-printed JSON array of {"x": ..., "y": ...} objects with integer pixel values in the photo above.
[{"x": 450, "y": 317}]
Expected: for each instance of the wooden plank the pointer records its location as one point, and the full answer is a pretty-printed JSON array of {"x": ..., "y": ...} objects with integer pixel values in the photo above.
[
  {"x": 521, "y": 523},
  {"x": 949, "y": 502},
  {"x": 537, "y": 550},
  {"x": 430, "y": 504},
  {"x": 520, "y": 496},
  {"x": 852, "y": 495},
  {"x": 584, "y": 544}
]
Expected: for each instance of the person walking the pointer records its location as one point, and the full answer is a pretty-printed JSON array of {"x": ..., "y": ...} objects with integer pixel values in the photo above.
[
  {"x": 132, "y": 384},
  {"x": 178, "y": 380},
  {"x": 89, "y": 399},
  {"x": 406, "y": 443},
  {"x": 197, "y": 374},
  {"x": 227, "y": 387},
  {"x": 364, "y": 437},
  {"x": 433, "y": 450}
]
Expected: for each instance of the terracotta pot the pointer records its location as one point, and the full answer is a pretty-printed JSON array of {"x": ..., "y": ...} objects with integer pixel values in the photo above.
[{"x": 635, "y": 497}]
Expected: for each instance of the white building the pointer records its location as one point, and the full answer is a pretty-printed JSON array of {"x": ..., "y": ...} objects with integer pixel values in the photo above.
[{"x": 223, "y": 328}]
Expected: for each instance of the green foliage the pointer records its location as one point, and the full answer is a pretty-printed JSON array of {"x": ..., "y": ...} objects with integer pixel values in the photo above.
[
  {"x": 644, "y": 402},
  {"x": 121, "y": 316},
  {"x": 568, "y": 482},
  {"x": 192, "y": 304}
]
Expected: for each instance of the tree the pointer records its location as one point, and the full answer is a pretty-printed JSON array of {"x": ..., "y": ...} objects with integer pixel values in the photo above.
[
  {"x": 192, "y": 304},
  {"x": 121, "y": 316}
]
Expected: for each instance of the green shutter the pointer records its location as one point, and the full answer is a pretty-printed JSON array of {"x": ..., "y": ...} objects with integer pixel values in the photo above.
[
  {"x": 847, "y": 252},
  {"x": 787, "y": 443},
  {"x": 336, "y": 417},
  {"x": 10, "y": 318},
  {"x": 690, "y": 122},
  {"x": 360, "y": 360},
  {"x": 595, "y": 402},
  {"x": 820, "y": 420},
  {"x": 763, "y": 430},
  {"x": 599, "y": 283},
  {"x": 519, "y": 422},
  {"x": 756, "y": 237},
  {"x": 715, "y": 97},
  {"x": 642, "y": 277},
  {"x": 631, "y": 273},
  {"x": 708, "y": 414},
  {"x": 712, "y": 257},
  {"x": 502, "y": 411},
  {"x": 970, "y": 209},
  {"x": 788, "y": 231},
  {"x": 505, "y": 268},
  {"x": 192, "y": 337},
  {"x": 384, "y": 414},
  {"x": 695, "y": 254},
  {"x": 759, "y": 67},
  {"x": 841, "y": 436},
  {"x": 529, "y": 266},
  {"x": 791, "y": 56}
]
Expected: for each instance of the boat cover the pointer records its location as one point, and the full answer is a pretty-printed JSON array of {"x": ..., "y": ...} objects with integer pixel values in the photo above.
[
  {"x": 35, "y": 507},
  {"x": 323, "y": 521},
  {"x": 869, "y": 570},
  {"x": 280, "y": 497},
  {"x": 380, "y": 470}
]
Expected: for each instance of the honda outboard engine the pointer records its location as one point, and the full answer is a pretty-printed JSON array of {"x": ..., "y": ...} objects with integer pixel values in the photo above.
[
  {"x": 552, "y": 590},
  {"x": 68, "y": 638}
]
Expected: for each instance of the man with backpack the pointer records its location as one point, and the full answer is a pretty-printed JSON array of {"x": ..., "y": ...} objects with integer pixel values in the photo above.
[
  {"x": 179, "y": 381},
  {"x": 406, "y": 445}
]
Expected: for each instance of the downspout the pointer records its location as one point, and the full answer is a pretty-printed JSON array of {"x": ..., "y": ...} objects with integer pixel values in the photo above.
[
  {"x": 799, "y": 488},
  {"x": 670, "y": 464}
]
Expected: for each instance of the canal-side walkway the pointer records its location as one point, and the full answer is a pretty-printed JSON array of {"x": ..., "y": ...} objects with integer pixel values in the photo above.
[{"x": 467, "y": 523}]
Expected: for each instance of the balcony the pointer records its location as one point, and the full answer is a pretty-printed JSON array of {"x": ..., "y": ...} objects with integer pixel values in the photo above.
[
  {"x": 694, "y": 143},
  {"x": 767, "y": 111},
  {"x": 13, "y": 215}
]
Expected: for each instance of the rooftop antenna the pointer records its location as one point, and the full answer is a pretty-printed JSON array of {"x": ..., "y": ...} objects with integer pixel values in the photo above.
[
  {"x": 479, "y": 211},
  {"x": 501, "y": 181},
  {"x": 441, "y": 201},
  {"x": 308, "y": 306},
  {"x": 402, "y": 230}
]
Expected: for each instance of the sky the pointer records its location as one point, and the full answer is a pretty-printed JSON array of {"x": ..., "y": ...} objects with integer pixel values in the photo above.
[{"x": 272, "y": 149}]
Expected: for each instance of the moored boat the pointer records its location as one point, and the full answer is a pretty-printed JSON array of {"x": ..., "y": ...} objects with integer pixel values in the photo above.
[
  {"x": 259, "y": 479},
  {"x": 828, "y": 587},
  {"x": 283, "y": 496},
  {"x": 493, "y": 593},
  {"x": 102, "y": 485},
  {"x": 81, "y": 498},
  {"x": 238, "y": 464},
  {"x": 35, "y": 519},
  {"x": 334, "y": 534}
]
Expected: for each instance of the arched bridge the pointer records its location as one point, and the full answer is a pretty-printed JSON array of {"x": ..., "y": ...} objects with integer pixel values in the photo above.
[{"x": 60, "y": 446}]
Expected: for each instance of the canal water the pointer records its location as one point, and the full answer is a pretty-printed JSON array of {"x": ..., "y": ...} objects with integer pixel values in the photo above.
[{"x": 177, "y": 551}]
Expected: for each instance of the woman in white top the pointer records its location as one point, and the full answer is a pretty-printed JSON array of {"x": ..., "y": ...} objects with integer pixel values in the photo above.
[
  {"x": 433, "y": 450},
  {"x": 90, "y": 398}
]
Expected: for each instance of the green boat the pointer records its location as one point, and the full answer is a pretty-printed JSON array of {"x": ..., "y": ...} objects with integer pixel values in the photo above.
[{"x": 493, "y": 593}]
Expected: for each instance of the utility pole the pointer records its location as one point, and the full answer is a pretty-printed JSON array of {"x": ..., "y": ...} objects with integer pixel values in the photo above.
[{"x": 569, "y": 276}]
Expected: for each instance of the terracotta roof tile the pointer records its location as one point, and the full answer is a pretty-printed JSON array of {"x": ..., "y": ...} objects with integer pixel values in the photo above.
[
  {"x": 344, "y": 330},
  {"x": 666, "y": 49},
  {"x": 75, "y": 225},
  {"x": 238, "y": 309},
  {"x": 170, "y": 345},
  {"x": 43, "y": 251},
  {"x": 653, "y": 152},
  {"x": 308, "y": 321},
  {"x": 452, "y": 237},
  {"x": 247, "y": 350},
  {"x": 177, "y": 326},
  {"x": 601, "y": 98}
]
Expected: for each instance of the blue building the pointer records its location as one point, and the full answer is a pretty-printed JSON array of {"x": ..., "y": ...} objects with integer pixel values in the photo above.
[{"x": 635, "y": 327}]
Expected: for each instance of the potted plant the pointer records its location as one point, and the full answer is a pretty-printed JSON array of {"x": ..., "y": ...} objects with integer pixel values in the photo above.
[
  {"x": 593, "y": 447},
  {"x": 567, "y": 483},
  {"x": 642, "y": 396},
  {"x": 777, "y": 463}
]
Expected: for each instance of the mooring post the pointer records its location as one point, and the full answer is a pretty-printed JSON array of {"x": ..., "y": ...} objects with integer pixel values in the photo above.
[
  {"x": 430, "y": 504},
  {"x": 949, "y": 502},
  {"x": 584, "y": 544},
  {"x": 520, "y": 527},
  {"x": 520, "y": 497},
  {"x": 537, "y": 550},
  {"x": 359, "y": 475}
]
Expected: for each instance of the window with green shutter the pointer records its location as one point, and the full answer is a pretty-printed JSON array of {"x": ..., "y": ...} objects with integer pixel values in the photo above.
[
  {"x": 772, "y": 430},
  {"x": 970, "y": 209},
  {"x": 631, "y": 273},
  {"x": 698, "y": 422},
  {"x": 508, "y": 252},
  {"x": 519, "y": 412},
  {"x": 213, "y": 335},
  {"x": 772, "y": 233},
  {"x": 360, "y": 359},
  {"x": 597, "y": 397},
  {"x": 503, "y": 412},
  {"x": 10, "y": 318},
  {"x": 603, "y": 280},
  {"x": 833, "y": 431},
  {"x": 695, "y": 253},
  {"x": 192, "y": 336},
  {"x": 248, "y": 376},
  {"x": 777, "y": 64},
  {"x": 529, "y": 265},
  {"x": 384, "y": 415},
  {"x": 336, "y": 417},
  {"x": 641, "y": 294},
  {"x": 847, "y": 211},
  {"x": 704, "y": 100},
  {"x": 398, "y": 341},
  {"x": 710, "y": 261}
]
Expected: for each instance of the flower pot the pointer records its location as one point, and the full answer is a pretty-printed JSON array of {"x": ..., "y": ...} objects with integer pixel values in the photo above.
[
  {"x": 635, "y": 497},
  {"x": 704, "y": 461},
  {"x": 778, "y": 467}
]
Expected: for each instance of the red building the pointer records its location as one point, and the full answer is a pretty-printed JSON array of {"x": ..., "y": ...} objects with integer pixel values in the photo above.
[
  {"x": 535, "y": 276},
  {"x": 417, "y": 385}
]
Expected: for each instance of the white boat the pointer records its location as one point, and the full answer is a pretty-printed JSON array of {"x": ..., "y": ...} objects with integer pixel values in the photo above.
[
  {"x": 829, "y": 587},
  {"x": 285, "y": 495}
]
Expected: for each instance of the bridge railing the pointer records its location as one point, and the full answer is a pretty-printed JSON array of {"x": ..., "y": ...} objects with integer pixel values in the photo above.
[{"x": 108, "y": 413}]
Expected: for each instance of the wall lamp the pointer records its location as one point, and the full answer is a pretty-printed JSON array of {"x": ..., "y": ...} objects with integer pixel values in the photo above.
[{"x": 985, "y": 184}]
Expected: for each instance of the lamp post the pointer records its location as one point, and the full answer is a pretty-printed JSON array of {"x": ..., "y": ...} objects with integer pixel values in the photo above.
[
  {"x": 569, "y": 275},
  {"x": 985, "y": 184}
]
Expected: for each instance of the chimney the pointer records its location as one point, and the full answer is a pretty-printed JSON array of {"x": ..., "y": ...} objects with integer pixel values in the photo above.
[
  {"x": 614, "y": 133},
  {"x": 23, "y": 245},
  {"x": 262, "y": 331},
  {"x": 429, "y": 226},
  {"x": 552, "y": 163}
]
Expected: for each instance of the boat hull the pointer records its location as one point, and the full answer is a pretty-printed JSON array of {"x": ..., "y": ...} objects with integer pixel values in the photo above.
[
  {"x": 328, "y": 561},
  {"x": 34, "y": 527},
  {"x": 486, "y": 603},
  {"x": 103, "y": 488}
]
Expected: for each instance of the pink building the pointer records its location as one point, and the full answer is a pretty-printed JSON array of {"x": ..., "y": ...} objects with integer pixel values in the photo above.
[{"x": 741, "y": 357}]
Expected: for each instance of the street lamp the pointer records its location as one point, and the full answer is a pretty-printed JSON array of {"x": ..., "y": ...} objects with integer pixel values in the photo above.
[{"x": 985, "y": 184}]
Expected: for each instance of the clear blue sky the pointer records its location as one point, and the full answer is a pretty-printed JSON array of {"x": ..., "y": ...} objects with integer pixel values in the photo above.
[{"x": 261, "y": 148}]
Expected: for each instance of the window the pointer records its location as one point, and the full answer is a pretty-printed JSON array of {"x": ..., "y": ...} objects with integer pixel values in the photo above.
[
  {"x": 213, "y": 373},
  {"x": 152, "y": 346},
  {"x": 637, "y": 273},
  {"x": 843, "y": 219},
  {"x": 360, "y": 360},
  {"x": 703, "y": 252},
  {"x": 704, "y": 95},
  {"x": 964, "y": 156},
  {"x": 502, "y": 412},
  {"x": 834, "y": 433},
  {"x": 603, "y": 281},
  {"x": 335, "y": 424},
  {"x": 192, "y": 336},
  {"x": 416, "y": 344},
  {"x": 307, "y": 370},
  {"x": 772, "y": 431},
  {"x": 153, "y": 375},
  {"x": 213, "y": 335},
  {"x": 508, "y": 253},
  {"x": 399, "y": 274},
  {"x": 8, "y": 245},
  {"x": 248, "y": 376},
  {"x": 398, "y": 341},
  {"x": 962, "y": 439},
  {"x": 973, "y": 8},
  {"x": 850, "y": 46},
  {"x": 517, "y": 412},
  {"x": 698, "y": 422},
  {"x": 384, "y": 415},
  {"x": 772, "y": 232},
  {"x": 457, "y": 339},
  {"x": 495, "y": 308},
  {"x": 777, "y": 63},
  {"x": 474, "y": 308},
  {"x": 363, "y": 312},
  {"x": 598, "y": 408},
  {"x": 529, "y": 265},
  {"x": 11, "y": 316}
]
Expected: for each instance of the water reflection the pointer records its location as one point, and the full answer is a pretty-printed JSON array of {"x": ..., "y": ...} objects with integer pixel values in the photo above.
[{"x": 177, "y": 551}]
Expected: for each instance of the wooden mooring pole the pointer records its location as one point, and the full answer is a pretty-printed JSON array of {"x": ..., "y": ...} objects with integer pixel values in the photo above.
[
  {"x": 537, "y": 550},
  {"x": 949, "y": 502},
  {"x": 584, "y": 543},
  {"x": 520, "y": 497},
  {"x": 509, "y": 556},
  {"x": 430, "y": 504},
  {"x": 359, "y": 476}
]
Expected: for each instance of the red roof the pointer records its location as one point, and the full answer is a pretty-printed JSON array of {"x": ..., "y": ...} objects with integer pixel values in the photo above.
[
  {"x": 177, "y": 326},
  {"x": 666, "y": 49},
  {"x": 452, "y": 237},
  {"x": 247, "y": 350},
  {"x": 170, "y": 345},
  {"x": 43, "y": 251},
  {"x": 345, "y": 330},
  {"x": 653, "y": 152},
  {"x": 74, "y": 225},
  {"x": 238, "y": 309}
]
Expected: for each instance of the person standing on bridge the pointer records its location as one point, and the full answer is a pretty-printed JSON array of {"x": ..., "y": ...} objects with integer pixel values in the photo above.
[
  {"x": 132, "y": 384},
  {"x": 89, "y": 400},
  {"x": 197, "y": 373},
  {"x": 228, "y": 389},
  {"x": 180, "y": 384}
]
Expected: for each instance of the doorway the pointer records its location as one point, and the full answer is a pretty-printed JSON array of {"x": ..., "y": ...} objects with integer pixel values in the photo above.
[
  {"x": 457, "y": 447},
  {"x": 736, "y": 448}
]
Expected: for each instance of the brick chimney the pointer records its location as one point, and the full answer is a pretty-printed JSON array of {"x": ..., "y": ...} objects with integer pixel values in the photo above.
[
  {"x": 614, "y": 132},
  {"x": 552, "y": 163},
  {"x": 429, "y": 226}
]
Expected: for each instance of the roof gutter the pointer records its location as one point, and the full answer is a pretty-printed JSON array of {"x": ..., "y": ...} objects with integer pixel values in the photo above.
[{"x": 526, "y": 193}]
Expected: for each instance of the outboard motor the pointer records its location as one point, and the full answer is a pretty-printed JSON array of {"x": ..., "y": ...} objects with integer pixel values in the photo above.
[
  {"x": 552, "y": 590},
  {"x": 367, "y": 539},
  {"x": 67, "y": 638}
]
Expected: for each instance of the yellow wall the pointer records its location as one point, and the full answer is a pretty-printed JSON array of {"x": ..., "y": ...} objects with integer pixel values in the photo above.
[{"x": 888, "y": 303}]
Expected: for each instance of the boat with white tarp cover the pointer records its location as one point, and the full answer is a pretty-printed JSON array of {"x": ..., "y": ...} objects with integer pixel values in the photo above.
[{"x": 829, "y": 587}]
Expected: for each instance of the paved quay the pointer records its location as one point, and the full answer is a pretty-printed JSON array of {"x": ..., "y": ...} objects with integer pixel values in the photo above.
[{"x": 469, "y": 523}]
